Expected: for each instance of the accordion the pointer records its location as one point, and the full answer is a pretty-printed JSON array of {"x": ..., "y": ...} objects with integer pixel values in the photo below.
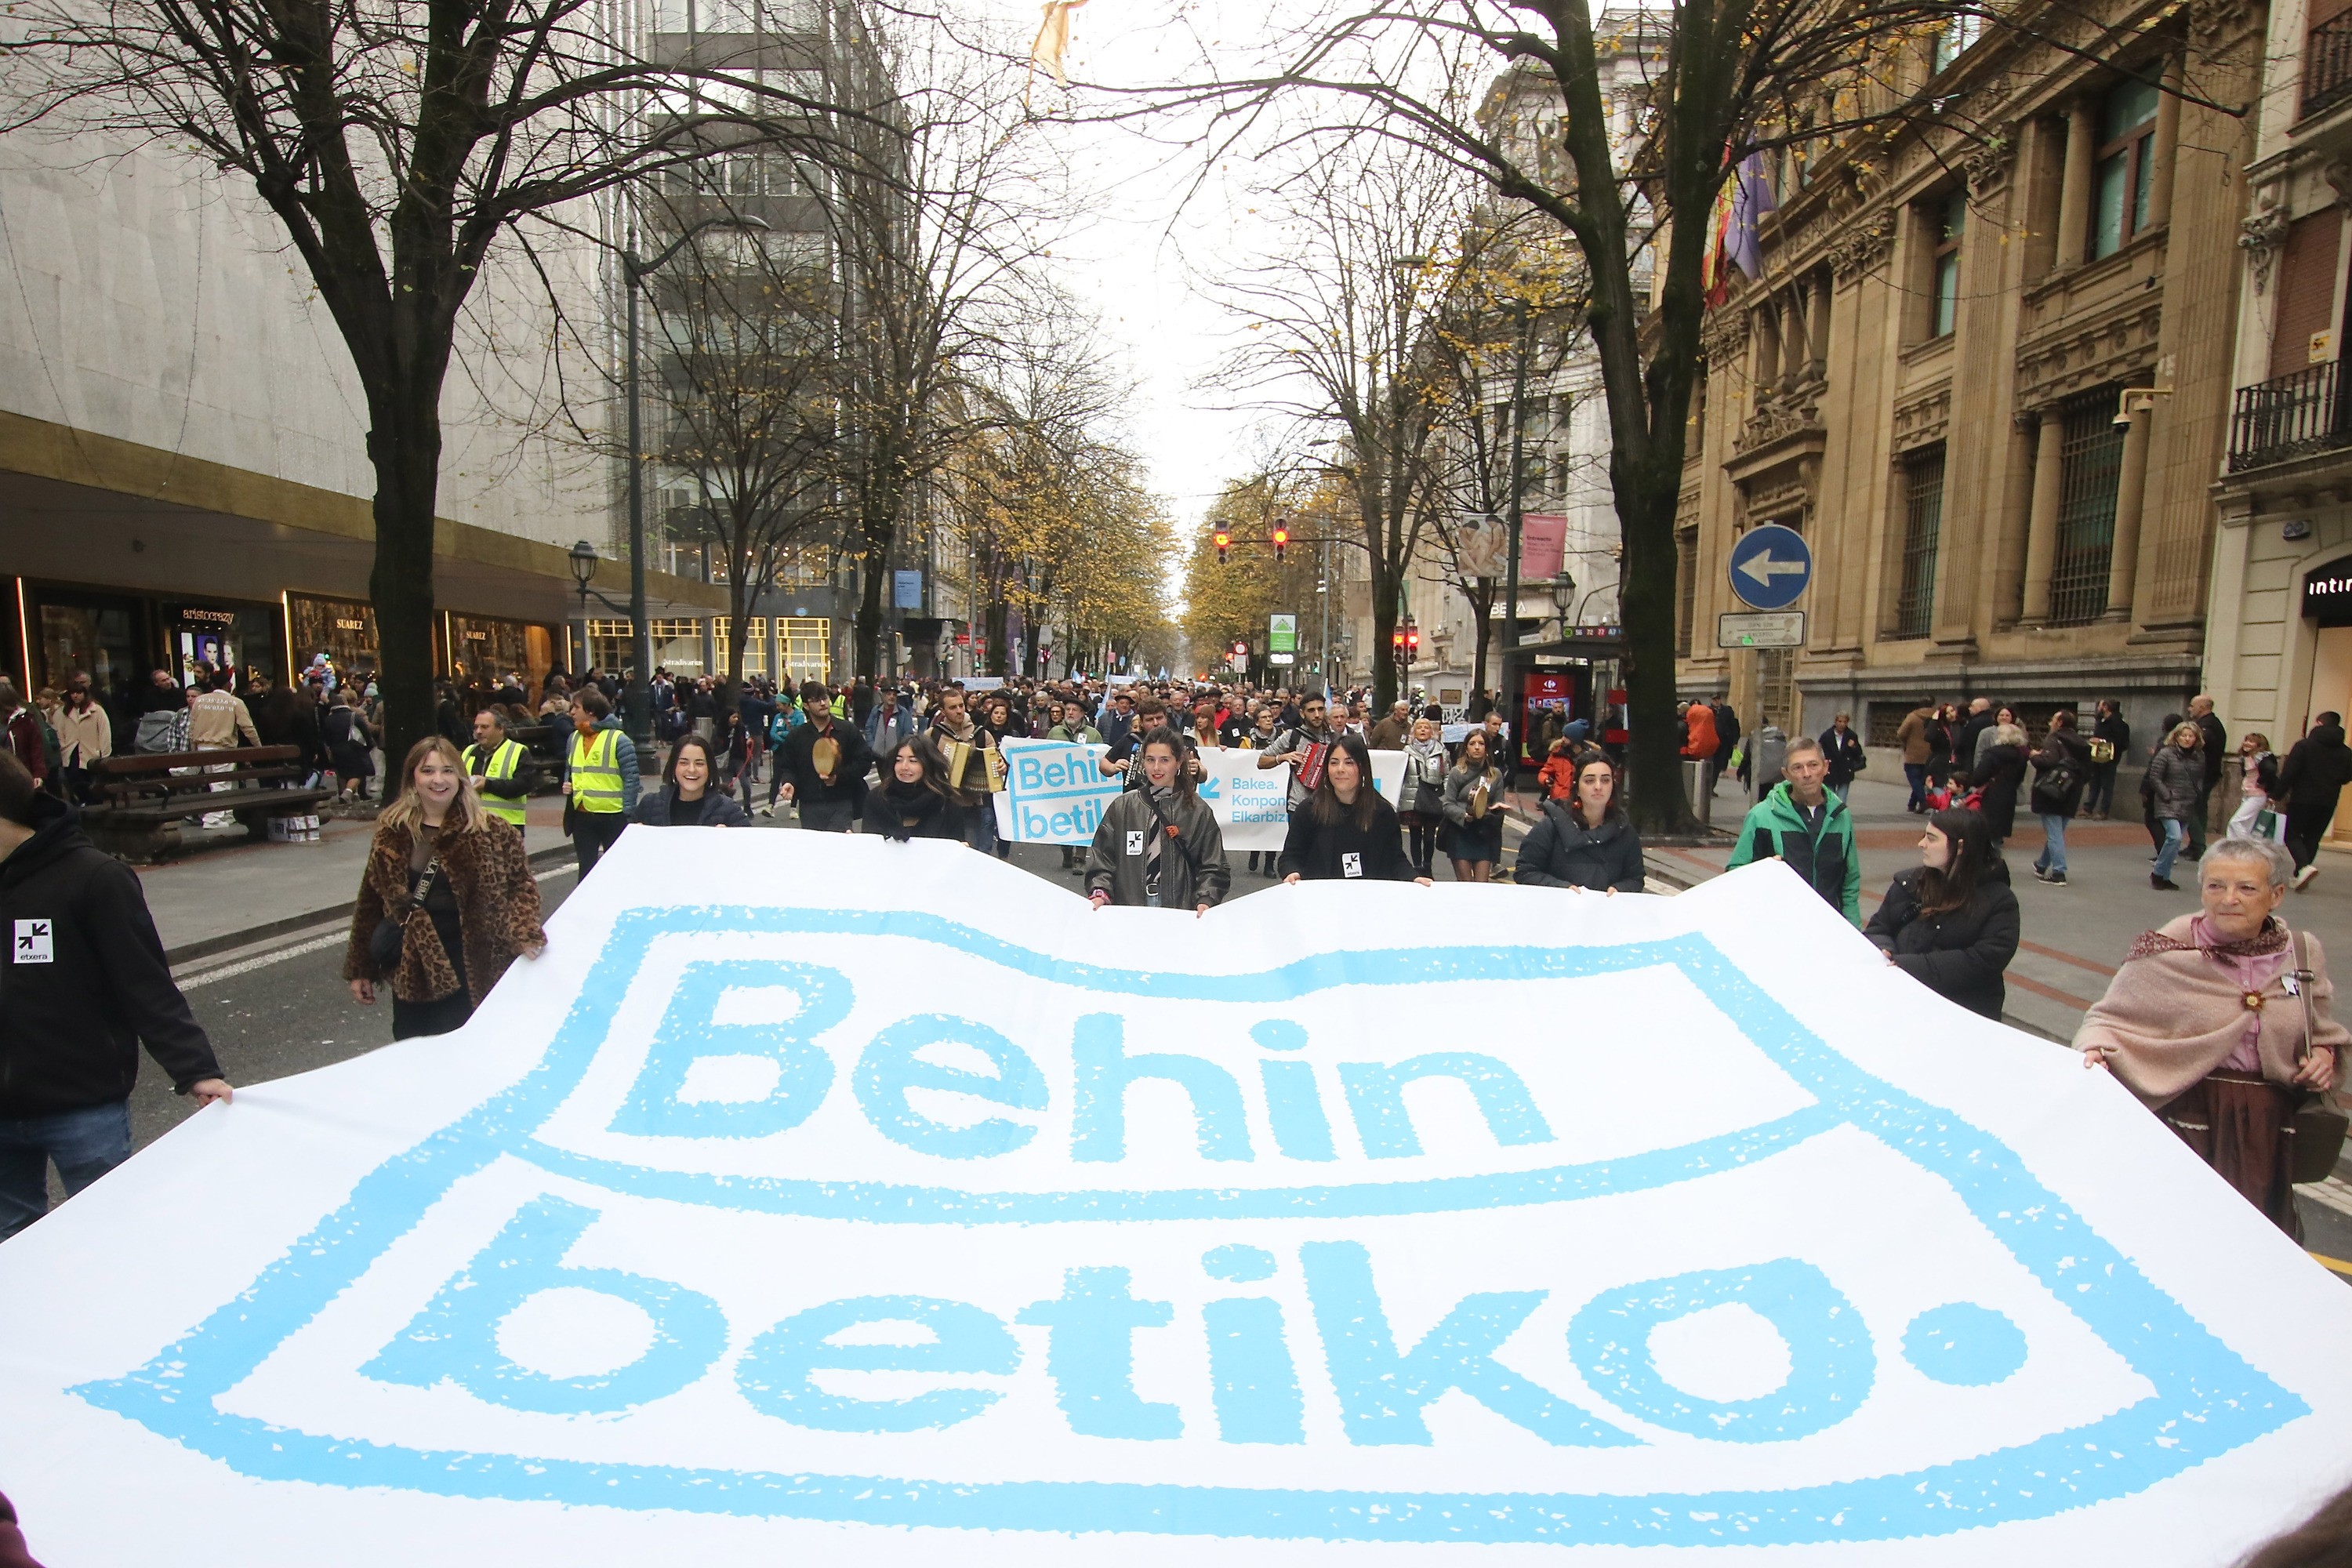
[
  {"x": 975, "y": 770},
  {"x": 1310, "y": 771}
]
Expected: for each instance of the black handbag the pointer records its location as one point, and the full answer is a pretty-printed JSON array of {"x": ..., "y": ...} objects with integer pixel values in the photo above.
[
  {"x": 2318, "y": 1126},
  {"x": 383, "y": 943}
]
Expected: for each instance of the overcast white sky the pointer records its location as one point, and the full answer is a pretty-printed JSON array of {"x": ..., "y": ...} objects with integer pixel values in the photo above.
[{"x": 1129, "y": 260}]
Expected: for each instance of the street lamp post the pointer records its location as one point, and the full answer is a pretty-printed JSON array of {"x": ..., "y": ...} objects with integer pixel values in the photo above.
[
  {"x": 636, "y": 698},
  {"x": 583, "y": 571},
  {"x": 1564, "y": 597},
  {"x": 1518, "y": 488}
]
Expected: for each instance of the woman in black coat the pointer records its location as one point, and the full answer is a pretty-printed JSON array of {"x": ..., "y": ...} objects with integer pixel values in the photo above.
[
  {"x": 915, "y": 801},
  {"x": 2000, "y": 770},
  {"x": 690, "y": 796},
  {"x": 1950, "y": 922},
  {"x": 1583, "y": 841},
  {"x": 1345, "y": 831}
]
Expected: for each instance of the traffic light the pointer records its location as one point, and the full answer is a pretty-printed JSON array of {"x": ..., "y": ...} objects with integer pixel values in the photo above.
[
  {"x": 1223, "y": 539},
  {"x": 1281, "y": 540},
  {"x": 1412, "y": 643},
  {"x": 1396, "y": 642}
]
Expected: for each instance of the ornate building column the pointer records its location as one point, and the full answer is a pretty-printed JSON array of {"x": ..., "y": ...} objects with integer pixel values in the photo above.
[
  {"x": 2075, "y": 193},
  {"x": 2131, "y": 493},
  {"x": 2168, "y": 145},
  {"x": 2042, "y": 523}
]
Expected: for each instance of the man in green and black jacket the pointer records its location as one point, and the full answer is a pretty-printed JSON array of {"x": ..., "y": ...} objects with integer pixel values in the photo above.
[{"x": 1807, "y": 826}]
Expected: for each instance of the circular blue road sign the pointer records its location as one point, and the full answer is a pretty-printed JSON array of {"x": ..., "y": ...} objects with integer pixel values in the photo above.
[{"x": 1770, "y": 567}]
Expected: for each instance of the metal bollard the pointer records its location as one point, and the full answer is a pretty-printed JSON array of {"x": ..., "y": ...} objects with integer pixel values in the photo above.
[{"x": 1694, "y": 788}]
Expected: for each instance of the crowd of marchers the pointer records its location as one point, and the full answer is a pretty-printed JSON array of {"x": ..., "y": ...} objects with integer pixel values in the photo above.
[{"x": 2221, "y": 1021}]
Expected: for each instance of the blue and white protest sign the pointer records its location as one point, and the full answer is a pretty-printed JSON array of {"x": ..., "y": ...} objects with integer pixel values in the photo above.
[
  {"x": 829, "y": 1201},
  {"x": 1251, "y": 805},
  {"x": 1054, "y": 792}
]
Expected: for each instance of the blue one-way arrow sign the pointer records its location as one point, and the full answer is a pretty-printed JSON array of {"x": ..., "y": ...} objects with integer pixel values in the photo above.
[{"x": 1770, "y": 567}]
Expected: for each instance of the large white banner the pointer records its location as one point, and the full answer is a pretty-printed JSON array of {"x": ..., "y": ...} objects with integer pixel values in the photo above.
[{"x": 825, "y": 1200}]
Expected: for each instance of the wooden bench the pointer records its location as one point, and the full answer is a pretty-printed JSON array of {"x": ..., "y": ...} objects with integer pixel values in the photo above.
[{"x": 144, "y": 797}]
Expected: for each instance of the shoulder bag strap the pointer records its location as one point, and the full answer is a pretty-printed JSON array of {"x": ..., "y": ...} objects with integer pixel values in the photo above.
[
  {"x": 1175, "y": 836},
  {"x": 2303, "y": 978}
]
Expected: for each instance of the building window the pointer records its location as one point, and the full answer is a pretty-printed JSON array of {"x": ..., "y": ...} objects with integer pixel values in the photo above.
[
  {"x": 1685, "y": 589},
  {"x": 2126, "y": 166},
  {"x": 1948, "y": 220},
  {"x": 2091, "y": 466},
  {"x": 1923, "y": 526},
  {"x": 1955, "y": 40},
  {"x": 806, "y": 645},
  {"x": 755, "y": 644}
]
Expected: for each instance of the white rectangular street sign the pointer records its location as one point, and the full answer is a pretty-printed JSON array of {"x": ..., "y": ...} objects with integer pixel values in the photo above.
[{"x": 1760, "y": 628}]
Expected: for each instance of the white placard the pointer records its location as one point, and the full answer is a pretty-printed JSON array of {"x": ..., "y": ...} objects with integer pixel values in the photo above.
[
  {"x": 833, "y": 1201},
  {"x": 1251, "y": 805}
]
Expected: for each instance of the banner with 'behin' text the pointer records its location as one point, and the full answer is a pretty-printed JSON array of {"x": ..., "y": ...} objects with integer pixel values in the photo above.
[{"x": 812, "y": 1189}]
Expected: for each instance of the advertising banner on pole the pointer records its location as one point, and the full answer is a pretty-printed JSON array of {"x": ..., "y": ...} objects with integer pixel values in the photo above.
[
  {"x": 832, "y": 1201},
  {"x": 1281, "y": 634}
]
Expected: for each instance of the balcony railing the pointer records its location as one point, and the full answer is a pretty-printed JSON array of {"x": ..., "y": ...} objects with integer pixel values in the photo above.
[
  {"x": 2328, "y": 65},
  {"x": 2293, "y": 417}
]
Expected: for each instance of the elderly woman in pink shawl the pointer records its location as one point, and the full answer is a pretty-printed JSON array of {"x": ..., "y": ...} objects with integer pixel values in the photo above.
[{"x": 2206, "y": 1023}]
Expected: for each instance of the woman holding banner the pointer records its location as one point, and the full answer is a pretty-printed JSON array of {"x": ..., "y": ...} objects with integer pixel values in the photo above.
[
  {"x": 1345, "y": 831},
  {"x": 2224, "y": 1023},
  {"x": 1474, "y": 811},
  {"x": 1158, "y": 845},
  {"x": 453, "y": 882}
]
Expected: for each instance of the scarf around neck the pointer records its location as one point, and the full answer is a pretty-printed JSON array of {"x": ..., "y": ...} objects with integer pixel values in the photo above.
[{"x": 2271, "y": 938}]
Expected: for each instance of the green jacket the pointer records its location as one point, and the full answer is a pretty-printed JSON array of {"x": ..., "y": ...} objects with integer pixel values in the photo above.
[{"x": 1826, "y": 859}]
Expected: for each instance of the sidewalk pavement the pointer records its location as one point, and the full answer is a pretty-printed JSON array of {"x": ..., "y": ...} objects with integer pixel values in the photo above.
[
  {"x": 245, "y": 890},
  {"x": 2072, "y": 937}
]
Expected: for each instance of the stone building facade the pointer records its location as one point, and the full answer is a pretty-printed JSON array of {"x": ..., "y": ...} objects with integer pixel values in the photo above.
[
  {"x": 2281, "y": 612},
  {"x": 1985, "y": 374}
]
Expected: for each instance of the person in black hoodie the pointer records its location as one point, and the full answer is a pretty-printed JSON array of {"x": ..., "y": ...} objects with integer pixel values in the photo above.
[
  {"x": 2317, "y": 768},
  {"x": 914, "y": 801},
  {"x": 1345, "y": 830},
  {"x": 1583, "y": 841},
  {"x": 1950, "y": 922},
  {"x": 85, "y": 984}
]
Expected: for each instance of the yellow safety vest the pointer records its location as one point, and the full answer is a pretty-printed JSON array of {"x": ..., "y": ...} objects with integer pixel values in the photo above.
[
  {"x": 597, "y": 771},
  {"x": 501, "y": 766}
]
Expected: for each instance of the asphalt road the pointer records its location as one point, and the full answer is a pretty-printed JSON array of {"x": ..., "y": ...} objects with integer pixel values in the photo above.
[{"x": 282, "y": 1008}]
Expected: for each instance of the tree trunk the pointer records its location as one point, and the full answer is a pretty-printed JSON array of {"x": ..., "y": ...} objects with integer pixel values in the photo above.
[
  {"x": 1645, "y": 513},
  {"x": 404, "y": 446},
  {"x": 1383, "y": 656},
  {"x": 999, "y": 650}
]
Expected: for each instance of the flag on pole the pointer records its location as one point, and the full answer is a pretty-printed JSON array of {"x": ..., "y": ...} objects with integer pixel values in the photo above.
[
  {"x": 1739, "y": 206},
  {"x": 1053, "y": 39}
]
